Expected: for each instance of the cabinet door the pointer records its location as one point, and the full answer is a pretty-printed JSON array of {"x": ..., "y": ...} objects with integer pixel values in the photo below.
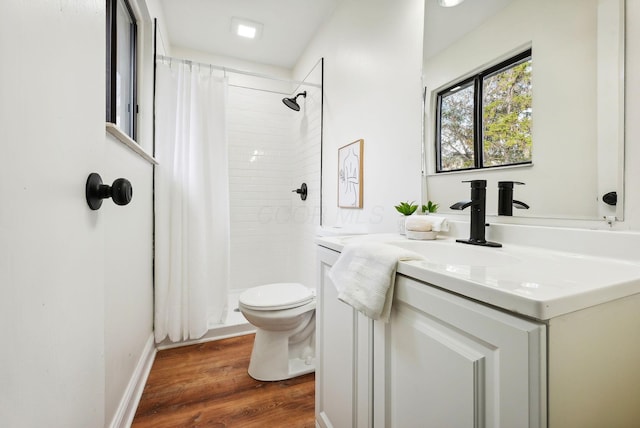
[
  {"x": 343, "y": 367},
  {"x": 451, "y": 362}
]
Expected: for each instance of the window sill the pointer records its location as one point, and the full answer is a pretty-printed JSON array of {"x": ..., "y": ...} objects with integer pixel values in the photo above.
[
  {"x": 477, "y": 170},
  {"x": 127, "y": 141}
]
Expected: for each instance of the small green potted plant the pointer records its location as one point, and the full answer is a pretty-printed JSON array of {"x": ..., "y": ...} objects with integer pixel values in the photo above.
[
  {"x": 430, "y": 208},
  {"x": 406, "y": 209}
]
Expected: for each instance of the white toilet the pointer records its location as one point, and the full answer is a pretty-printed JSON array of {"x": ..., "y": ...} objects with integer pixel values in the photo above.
[{"x": 284, "y": 317}]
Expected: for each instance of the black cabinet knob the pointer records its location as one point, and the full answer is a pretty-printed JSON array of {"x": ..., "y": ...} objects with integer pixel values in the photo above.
[{"x": 120, "y": 191}]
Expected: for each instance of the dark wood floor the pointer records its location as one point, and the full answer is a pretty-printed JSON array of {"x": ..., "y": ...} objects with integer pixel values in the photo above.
[{"x": 207, "y": 385}]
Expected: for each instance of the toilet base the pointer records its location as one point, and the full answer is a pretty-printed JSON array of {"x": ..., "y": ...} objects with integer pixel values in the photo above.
[
  {"x": 297, "y": 367},
  {"x": 270, "y": 358},
  {"x": 284, "y": 344}
]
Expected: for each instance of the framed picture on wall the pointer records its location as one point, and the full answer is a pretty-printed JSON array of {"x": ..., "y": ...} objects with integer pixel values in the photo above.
[{"x": 350, "y": 175}]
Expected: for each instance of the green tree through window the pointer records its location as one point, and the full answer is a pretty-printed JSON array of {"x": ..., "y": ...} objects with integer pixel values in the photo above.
[
  {"x": 499, "y": 99},
  {"x": 456, "y": 130},
  {"x": 506, "y": 116}
]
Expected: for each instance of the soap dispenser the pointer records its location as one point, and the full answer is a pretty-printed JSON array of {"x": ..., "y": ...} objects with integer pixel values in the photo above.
[{"x": 505, "y": 198}]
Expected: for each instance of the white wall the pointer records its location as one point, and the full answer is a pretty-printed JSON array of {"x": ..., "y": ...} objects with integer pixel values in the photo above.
[
  {"x": 128, "y": 286},
  {"x": 128, "y": 255},
  {"x": 632, "y": 125},
  {"x": 373, "y": 64},
  {"x": 238, "y": 64}
]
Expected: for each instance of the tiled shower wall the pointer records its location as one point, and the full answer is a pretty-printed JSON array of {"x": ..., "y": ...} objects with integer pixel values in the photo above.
[
  {"x": 272, "y": 150},
  {"x": 306, "y": 214}
]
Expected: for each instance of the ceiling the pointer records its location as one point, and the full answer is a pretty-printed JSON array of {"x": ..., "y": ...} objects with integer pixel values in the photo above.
[
  {"x": 289, "y": 25},
  {"x": 444, "y": 25},
  {"x": 205, "y": 25}
]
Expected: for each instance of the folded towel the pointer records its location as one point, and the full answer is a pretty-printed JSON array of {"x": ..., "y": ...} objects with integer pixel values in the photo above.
[
  {"x": 365, "y": 274},
  {"x": 420, "y": 223}
]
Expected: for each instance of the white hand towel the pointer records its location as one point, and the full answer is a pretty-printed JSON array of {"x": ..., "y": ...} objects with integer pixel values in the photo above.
[
  {"x": 365, "y": 274},
  {"x": 420, "y": 222}
]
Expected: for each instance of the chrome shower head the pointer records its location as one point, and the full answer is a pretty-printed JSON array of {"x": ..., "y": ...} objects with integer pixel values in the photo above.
[{"x": 292, "y": 103}]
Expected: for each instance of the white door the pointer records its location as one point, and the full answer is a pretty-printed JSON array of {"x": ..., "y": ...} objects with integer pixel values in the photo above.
[{"x": 52, "y": 68}]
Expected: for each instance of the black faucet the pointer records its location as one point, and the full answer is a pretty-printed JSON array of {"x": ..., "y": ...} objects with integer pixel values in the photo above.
[
  {"x": 505, "y": 198},
  {"x": 478, "y": 206}
]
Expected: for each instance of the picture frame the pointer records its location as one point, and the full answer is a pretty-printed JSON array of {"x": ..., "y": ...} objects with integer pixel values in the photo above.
[{"x": 350, "y": 175}]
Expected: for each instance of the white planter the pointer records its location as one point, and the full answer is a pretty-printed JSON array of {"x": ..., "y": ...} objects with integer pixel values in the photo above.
[{"x": 401, "y": 221}]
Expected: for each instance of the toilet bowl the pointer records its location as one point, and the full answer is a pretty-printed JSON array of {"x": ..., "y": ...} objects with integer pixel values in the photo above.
[{"x": 284, "y": 317}]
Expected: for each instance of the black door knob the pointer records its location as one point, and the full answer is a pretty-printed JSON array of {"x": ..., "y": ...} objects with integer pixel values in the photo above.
[
  {"x": 120, "y": 191},
  {"x": 610, "y": 198},
  {"x": 302, "y": 191}
]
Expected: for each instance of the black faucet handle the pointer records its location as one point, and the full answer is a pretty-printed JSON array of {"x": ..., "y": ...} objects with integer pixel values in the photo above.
[
  {"x": 505, "y": 198},
  {"x": 476, "y": 184},
  {"x": 508, "y": 184},
  {"x": 461, "y": 205},
  {"x": 520, "y": 205}
]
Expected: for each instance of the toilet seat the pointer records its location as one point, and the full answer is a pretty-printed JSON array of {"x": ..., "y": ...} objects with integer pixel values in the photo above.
[{"x": 278, "y": 296}]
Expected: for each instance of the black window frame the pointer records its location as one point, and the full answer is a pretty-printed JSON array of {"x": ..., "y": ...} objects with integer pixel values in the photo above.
[
  {"x": 112, "y": 65},
  {"x": 477, "y": 82}
]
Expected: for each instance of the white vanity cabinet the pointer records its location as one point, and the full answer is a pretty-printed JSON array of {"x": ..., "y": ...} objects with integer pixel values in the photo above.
[
  {"x": 447, "y": 360},
  {"x": 441, "y": 361}
]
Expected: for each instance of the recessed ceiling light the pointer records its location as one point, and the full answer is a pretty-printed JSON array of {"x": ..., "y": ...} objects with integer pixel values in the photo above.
[
  {"x": 449, "y": 3},
  {"x": 246, "y": 28},
  {"x": 246, "y": 31}
]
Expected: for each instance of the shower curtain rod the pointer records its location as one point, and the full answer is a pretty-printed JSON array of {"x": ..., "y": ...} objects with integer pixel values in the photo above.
[
  {"x": 259, "y": 89},
  {"x": 235, "y": 70}
]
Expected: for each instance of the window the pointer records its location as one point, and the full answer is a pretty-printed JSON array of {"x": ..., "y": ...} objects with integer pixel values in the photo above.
[
  {"x": 485, "y": 120},
  {"x": 121, "y": 66}
]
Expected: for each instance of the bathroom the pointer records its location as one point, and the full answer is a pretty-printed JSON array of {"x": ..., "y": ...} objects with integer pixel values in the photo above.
[{"x": 77, "y": 286}]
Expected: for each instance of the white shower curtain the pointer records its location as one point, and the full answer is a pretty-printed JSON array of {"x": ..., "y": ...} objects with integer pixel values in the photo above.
[{"x": 192, "y": 201}]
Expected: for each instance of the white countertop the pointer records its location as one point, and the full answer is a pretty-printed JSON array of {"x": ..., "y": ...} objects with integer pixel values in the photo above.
[{"x": 531, "y": 281}]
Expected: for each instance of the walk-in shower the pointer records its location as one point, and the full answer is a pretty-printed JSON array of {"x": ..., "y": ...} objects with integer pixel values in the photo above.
[{"x": 270, "y": 151}]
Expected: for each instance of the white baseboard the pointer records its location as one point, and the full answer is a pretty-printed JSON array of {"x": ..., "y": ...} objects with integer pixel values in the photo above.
[
  {"x": 215, "y": 333},
  {"x": 131, "y": 397}
]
